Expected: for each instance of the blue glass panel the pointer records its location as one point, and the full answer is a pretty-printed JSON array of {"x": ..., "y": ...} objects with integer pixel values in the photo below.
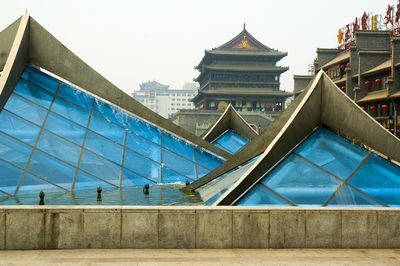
[
  {"x": 178, "y": 146},
  {"x": 348, "y": 196},
  {"x": 100, "y": 167},
  {"x": 143, "y": 129},
  {"x": 18, "y": 127},
  {"x": 259, "y": 195},
  {"x": 179, "y": 164},
  {"x": 31, "y": 112},
  {"x": 201, "y": 171},
  {"x": 51, "y": 169},
  {"x": 332, "y": 152},
  {"x": 131, "y": 179},
  {"x": 231, "y": 141},
  {"x": 86, "y": 181},
  {"x": 76, "y": 96},
  {"x": 41, "y": 79},
  {"x": 301, "y": 182},
  {"x": 33, "y": 184},
  {"x": 207, "y": 160},
  {"x": 13, "y": 150},
  {"x": 170, "y": 176},
  {"x": 143, "y": 146},
  {"x": 221, "y": 147},
  {"x": 65, "y": 128},
  {"x": 70, "y": 111},
  {"x": 107, "y": 129},
  {"x": 34, "y": 93},
  {"x": 59, "y": 147},
  {"x": 9, "y": 177},
  {"x": 142, "y": 166},
  {"x": 380, "y": 179},
  {"x": 104, "y": 147},
  {"x": 110, "y": 113}
]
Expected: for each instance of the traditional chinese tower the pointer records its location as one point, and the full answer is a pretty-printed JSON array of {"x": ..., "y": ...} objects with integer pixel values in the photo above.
[{"x": 241, "y": 72}]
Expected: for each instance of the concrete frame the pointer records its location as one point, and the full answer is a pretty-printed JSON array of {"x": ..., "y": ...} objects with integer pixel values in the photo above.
[
  {"x": 33, "y": 44},
  {"x": 257, "y": 146},
  {"x": 230, "y": 119},
  {"x": 323, "y": 104}
]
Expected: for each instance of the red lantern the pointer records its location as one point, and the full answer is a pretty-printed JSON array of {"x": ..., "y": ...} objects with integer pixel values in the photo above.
[
  {"x": 342, "y": 67},
  {"x": 327, "y": 72},
  {"x": 384, "y": 106},
  {"x": 343, "y": 88},
  {"x": 378, "y": 80},
  {"x": 362, "y": 107},
  {"x": 348, "y": 64},
  {"x": 367, "y": 83},
  {"x": 373, "y": 107}
]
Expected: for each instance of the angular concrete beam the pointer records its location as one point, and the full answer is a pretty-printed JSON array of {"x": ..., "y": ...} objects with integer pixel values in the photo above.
[
  {"x": 230, "y": 119},
  {"x": 17, "y": 58},
  {"x": 252, "y": 149},
  {"x": 7, "y": 37},
  {"x": 303, "y": 120}
]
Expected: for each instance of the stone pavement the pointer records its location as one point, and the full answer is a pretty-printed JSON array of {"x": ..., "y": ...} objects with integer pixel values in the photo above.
[{"x": 207, "y": 257}]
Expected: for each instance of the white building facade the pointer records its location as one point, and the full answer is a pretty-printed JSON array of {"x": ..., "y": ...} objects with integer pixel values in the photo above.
[{"x": 164, "y": 101}]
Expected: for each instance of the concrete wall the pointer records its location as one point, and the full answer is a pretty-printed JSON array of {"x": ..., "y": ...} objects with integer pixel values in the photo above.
[{"x": 72, "y": 227}]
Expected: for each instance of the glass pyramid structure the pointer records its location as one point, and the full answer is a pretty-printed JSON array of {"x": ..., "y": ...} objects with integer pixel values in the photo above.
[
  {"x": 54, "y": 136},
  {"x": 328, "y": 170},
  {"x": 230, "y": 141}
]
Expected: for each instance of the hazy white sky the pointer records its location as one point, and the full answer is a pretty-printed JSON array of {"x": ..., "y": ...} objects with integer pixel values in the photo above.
[{"x": 131, "y": 42}]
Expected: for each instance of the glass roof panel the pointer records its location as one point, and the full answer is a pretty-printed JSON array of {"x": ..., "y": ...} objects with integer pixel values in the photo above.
[
  {"x": 301, "y": 182},
  {"x": 260, "y": 195},
  {"x": 349, "y": 196},
  {"x": 77, "y": 97},
  {"x": 86, "y": 181},
  {"x": 32, "y": 184},
  {"x": 26, "y": 109},
  {"x": 14, "y": 151},
  {"x": 70, "y": 111},
  {"x": 332, "y": 152},
  {"x": 18, "y": 127},
  {"x": 316, "y": 182},
  {"x": 51, "y": 169},
  {"x": 34, "y": 93},
  {"x": 65, "y": 128},
  {"x": 143, "y": 146},
  {"x": 174, "y": 144},
  {"x": 9, "y": 177},
  {"x": 380, "y": 179},
  {"x": 59, "y": 147},
  {"x": 110, "y": 113},
  {"x": 179, "y": 164},
  {"x": 230, "y": 141},
  {"x": 57, "y": 153},
  {"x": 100, "y": 167},
  {"x": 39, "y": 78},
  {"x": 104, "y": 147}
]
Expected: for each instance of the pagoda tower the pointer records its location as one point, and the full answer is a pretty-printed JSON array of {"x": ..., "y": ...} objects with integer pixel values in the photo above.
[{"x": 243, "y": 73}]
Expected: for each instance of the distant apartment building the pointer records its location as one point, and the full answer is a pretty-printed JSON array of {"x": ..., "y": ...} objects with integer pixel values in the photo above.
[{"x": 164, "y": 101}]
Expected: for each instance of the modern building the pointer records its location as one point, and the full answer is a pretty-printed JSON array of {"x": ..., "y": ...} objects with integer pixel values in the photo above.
[
  {"x": 368, "y": 72},
  {"x": 164, "y": 101},
  {"x": 243, "y": 73}
]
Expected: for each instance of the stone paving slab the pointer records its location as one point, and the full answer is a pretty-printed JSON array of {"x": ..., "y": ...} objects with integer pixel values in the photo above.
[{"x": 207, "y": 257}]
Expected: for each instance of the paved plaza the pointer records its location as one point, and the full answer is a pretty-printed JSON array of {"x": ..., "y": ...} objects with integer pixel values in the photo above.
[{"x": 203, "y": 257}]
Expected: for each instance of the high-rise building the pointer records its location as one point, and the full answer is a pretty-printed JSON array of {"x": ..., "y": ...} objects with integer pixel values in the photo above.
[{"x": 160, "y": 99}]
